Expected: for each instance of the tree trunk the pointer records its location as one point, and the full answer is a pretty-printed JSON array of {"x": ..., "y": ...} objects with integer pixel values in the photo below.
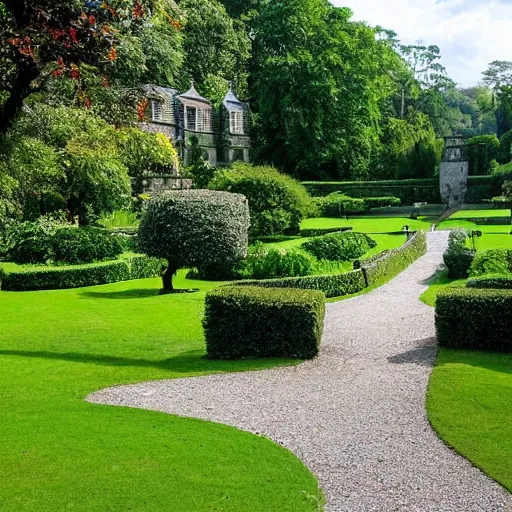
[{"x": 171, "y": 270}]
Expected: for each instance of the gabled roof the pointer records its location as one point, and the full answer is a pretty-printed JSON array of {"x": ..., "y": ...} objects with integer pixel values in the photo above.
[
  {"x": 163, "y": 92},
  {"x": 231, "y": 102},
  {"x": 193, "y": 95}
]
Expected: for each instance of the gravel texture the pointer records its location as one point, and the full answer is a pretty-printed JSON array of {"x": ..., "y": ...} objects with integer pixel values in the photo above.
[{"x": 356, "y": 414}]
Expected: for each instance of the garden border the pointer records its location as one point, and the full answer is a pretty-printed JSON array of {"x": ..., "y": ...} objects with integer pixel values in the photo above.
[{"x": 92, "y": 274}]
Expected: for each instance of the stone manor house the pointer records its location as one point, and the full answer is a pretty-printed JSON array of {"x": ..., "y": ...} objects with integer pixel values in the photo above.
[{"x": 222, "y": 133}]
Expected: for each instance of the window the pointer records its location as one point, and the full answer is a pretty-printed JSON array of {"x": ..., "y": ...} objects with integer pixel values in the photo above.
[
  {"x": 169, "y": 112},
  {"x": 236, "y": 122},
  {"x": 206, "y": 125},
  {"x": 157, "y": 111},
  {"x": 191, "y": 114}
]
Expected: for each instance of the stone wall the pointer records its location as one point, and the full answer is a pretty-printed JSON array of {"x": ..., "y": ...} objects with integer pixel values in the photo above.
[{"x": 453, "y": 177}]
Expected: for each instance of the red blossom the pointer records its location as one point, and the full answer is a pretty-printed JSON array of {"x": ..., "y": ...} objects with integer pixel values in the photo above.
[
  {"x": 112, "y": 56},
  {"x": 73, "y": 35},
  {"x": 141, "y": 109}
]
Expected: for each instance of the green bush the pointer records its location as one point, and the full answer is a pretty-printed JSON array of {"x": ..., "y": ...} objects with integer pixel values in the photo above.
[
  {"x": 468, "y": 318},
  {"x": 340, "y": 246},
  {"x": 332, "y": 285},
  {"x": 257, "y": 322},
  {"x": 482, "y": 152},
  {"x": 505, "y": 151},
  {"x": 458, "y": 258},
  {"x": 193, "y": 228},
  {"x": 381, "y": 202},
  {"x": 54, "y": 278},
  {"x": 339, "y": 205},
  {"x": 496, "y": 282},
  {"x": 493, "y": 261},
  {"x": 389, "y": 264},
  {"x": 263, "y": 263},
  {"x": 45, "y": 241},
  {"x": 277, "y": 202}
]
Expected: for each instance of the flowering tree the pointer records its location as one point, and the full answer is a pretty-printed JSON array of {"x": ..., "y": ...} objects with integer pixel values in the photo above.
[{"x": 40, "y": 39}]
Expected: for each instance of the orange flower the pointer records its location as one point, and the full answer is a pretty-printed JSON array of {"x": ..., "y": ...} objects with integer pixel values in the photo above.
[{"x": 112, "y": 56}]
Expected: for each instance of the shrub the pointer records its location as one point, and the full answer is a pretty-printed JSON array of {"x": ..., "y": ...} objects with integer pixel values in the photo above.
[
  {"x": 339, "y": 205},
  {"x": 388, "y": 264},
  {"x": 136, "y": 267},
  {"x": 381, "y": 202},
  {"x": 458, "y": 257},
  {"x": 277, "y": 202},
  {"x": 474, "y": 319},
  {"x": 46, "y": 240},
  {"x": 482, "y": 151},
  {"x": 332, "y": 285},
  {"x": 275, "y": 263},
  {"x": 505, "y": 151},
  {"x": 258, "y": 322},
  {"x": 493, "y": 261},
  {"x": 496, "y": 282},
  {"x": 192, "y": 228},
  {"x": 340, "y": 246}
]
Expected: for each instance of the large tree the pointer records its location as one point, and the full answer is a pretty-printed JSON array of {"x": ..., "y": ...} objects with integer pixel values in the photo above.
[{"x": 319, "y": 85}]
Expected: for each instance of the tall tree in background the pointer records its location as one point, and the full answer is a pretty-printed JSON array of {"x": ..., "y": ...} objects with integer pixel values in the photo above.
[
  {"x": 318, "y": 86},
  {"x": 499, "y": 78}
]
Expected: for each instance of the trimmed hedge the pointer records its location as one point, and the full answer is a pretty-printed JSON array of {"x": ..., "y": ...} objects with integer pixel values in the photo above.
[
  {"x": 309, "y": 233},
  {"x": 339, "y": 205},
  {"x": 255, "y": 322},
  {"x": 469, "y": 318},
  {"x": 55, "y": 278},
  {"x": 408, "y": 191},
  {"x": 339, "y": 246},
  {"x": 495, "y": 282},
  {"x": 335, "y": 285},
  {"x": 390, "y": 263}
]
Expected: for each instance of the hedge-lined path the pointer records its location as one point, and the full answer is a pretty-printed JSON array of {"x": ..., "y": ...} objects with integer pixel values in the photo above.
[{"x": 356, "y": 414}]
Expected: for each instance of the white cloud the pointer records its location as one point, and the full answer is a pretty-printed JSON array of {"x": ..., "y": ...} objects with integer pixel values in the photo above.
[{"x": 470, "y": 33}]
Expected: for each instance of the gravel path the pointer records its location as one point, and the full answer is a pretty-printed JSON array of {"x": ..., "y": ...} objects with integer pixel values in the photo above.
[{"x": 356, "y": 414}]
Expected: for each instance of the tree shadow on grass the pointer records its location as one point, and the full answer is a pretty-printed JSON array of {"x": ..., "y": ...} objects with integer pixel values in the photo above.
[
  {"x": 188, "y": 362},
  {"x": 123, "y": 294},
  {"x": 423, "y": 355}
]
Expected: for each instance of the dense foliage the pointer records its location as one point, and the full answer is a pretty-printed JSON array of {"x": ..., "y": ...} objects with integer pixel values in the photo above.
[
  {"x": 194, "y": 228},
  {"x": 277, "y": 202},
  {"x": 493, "y": 261},
  {"x": 476, "y": 319},
  {"x": 257, "y": 322},
  {"x": 340, "y": 246},
  {"x": 45, "y": 241},
  {"x": 497, "y": 282},
  {"x": 340, "y": 205},
  {"x": 483, "y": 153}
]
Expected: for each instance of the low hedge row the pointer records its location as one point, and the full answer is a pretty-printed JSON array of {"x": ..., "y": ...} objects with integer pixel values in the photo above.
[
  {"x": 335, "y": 285},
  {"x": 135, "y": 267},
  {"x": 495, "y": 282},
  {"x": 390, "y": 263},
  {"x": 309, "y": 233},
  {"x": 469, "y": 318},
  {"x": 256, "y": 322}
]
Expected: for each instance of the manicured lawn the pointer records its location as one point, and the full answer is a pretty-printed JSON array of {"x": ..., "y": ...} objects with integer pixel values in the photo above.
[
  {"x": 466, "y": 224},
  {"x": 367, "y": 224},
  {"x": 60, "y": 453},
  {"x": 492, "y": 241},
  {"x": 479, "y": 214},
  {"x": 437, "y": 283},
  {"x": 469, "y": 405}
]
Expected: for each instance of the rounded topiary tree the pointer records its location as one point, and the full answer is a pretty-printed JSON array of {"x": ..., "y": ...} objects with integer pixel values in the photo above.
[
  {"x": 277, "y": 202},
  {"x": 191, "y": 228}
]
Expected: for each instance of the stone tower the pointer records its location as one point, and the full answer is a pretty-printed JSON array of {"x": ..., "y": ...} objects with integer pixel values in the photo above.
[{"x": 454, "y": 171}]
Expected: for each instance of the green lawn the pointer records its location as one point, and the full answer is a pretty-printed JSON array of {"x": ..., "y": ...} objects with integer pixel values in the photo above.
[
  {"x": 469, "y": 406},
  {"x": 493, "y": 241},
  {"x": 61, "y": 453},
  {"x": 479, "y": 214},
  {"x": 468, "y": 400},
  {"x": 367, "y": 224}
]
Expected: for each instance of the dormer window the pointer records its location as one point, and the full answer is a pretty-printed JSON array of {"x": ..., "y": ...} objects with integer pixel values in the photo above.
[
  {"x": 191, "y": 118},
  {"x": 157, "y": 111},
  {"x": 236, "y": 122}
]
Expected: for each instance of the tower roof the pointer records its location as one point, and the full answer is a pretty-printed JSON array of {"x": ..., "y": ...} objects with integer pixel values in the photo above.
[
  {"x": 193, "y": 95},
  {"x": 231, "y": 102}
]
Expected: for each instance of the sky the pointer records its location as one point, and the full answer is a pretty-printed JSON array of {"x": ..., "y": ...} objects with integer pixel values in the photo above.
[{"x": 470, "y": 33}]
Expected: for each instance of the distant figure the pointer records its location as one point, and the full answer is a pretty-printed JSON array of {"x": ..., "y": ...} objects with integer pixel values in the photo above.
[{"x": 433, "y": 227}]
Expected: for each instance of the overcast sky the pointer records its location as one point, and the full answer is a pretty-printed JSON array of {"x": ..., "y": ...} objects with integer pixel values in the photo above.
[{"x": 470, "y": 33}]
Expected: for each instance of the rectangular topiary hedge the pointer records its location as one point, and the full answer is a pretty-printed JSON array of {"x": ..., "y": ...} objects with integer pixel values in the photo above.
[
  {"x": 470, "y": 318},
  {"x": 55, "y": 278},
  {"x": 335, "y": 285},
  {"x": 258, "y": 322},
  {"x": 490, "y": 281},
  {"x": 390, "y": 263}
]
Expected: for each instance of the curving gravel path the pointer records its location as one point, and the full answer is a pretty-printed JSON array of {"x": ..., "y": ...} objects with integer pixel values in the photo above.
[{"x": 356, "y": 414}]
